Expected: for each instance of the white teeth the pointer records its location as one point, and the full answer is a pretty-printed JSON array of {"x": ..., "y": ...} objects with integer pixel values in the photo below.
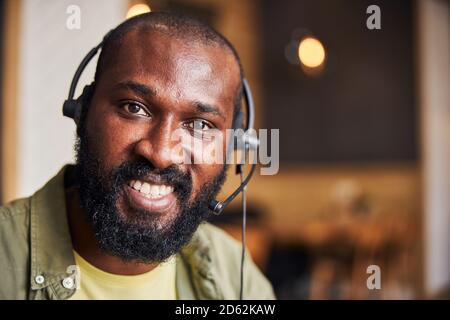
[
  {"x": 137, "y": 185},
  {"x": 145, "y": 188},
  {"x": 150, "y": 191},
  {"x": 154, "y": 191}
]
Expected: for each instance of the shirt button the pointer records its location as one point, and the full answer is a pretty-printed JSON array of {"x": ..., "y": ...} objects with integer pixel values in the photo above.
[
  {"x": 39, "y": 279},
  {"x": 68, "y": 283}
]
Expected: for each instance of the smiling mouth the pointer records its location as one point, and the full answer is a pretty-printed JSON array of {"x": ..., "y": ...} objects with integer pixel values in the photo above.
[
  {"x": 151, "y": 191},
  {"x": 154, "y": 198}
]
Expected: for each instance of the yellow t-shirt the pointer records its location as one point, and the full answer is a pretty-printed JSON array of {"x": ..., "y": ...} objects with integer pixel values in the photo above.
[{"x": 96, "y": 284}]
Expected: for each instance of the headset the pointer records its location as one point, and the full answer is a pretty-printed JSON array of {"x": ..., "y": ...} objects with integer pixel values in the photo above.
[{"x": 72, "y": 108}]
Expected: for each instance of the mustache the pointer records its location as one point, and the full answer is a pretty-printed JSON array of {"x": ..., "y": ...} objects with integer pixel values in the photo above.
[{"x": 172, "y": 175}]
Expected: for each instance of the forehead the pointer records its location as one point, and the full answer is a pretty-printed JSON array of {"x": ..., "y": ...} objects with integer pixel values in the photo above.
[{"x": 175, "y": 67}]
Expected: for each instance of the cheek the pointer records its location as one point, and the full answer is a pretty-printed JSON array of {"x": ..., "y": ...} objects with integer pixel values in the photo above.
[
  {"x": 207, "y": 153},
  {"x": 111, "y": 139},
  {"x": 202, "y": 175}
]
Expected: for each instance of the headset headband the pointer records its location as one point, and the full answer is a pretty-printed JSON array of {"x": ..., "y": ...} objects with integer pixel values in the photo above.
[{"x": 71, "y": 107}]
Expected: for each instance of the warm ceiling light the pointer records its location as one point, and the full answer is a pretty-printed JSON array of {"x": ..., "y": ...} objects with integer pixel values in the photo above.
[
  {"x": 138, "y": 9},
  {"x": 311, "y": 52}
]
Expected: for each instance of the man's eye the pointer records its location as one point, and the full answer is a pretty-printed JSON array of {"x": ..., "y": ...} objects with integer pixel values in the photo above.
[
  {"x": 200, "y": 129},
  {"x": 199, "y": 125},
  {"x": 135, "y": 109}
]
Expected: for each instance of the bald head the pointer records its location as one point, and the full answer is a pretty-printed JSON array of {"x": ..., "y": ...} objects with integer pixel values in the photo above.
[{"x": 190, "y": 31}]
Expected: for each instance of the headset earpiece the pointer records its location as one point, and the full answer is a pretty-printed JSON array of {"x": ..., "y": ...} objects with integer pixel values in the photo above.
[
  {"x": 72, "y": 108},
  {"x": 238, "y": 121},
  {"x": 246, "y": 139},
  {"x": 238, "y": 125}
]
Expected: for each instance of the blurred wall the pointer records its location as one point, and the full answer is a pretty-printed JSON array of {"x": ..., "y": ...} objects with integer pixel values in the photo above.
[
  {"x": 434, "y": 70},
  {"x": 361, "y": 106},
  {"x": 48, "y": 54},
  {"x": 10, "y": 21}
]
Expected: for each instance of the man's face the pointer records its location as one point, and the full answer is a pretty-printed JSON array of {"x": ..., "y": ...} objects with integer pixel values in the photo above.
[{"x": 143, "y": 200}]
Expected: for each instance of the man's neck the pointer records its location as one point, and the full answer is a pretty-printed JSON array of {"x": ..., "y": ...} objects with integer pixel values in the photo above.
[{"x": 86, "y": 245}]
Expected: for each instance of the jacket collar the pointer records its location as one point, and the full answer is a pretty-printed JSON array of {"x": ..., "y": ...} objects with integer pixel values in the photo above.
[
  {"x": 203, "y": 275},
  {"x": 51, "y": 245},
  {"x": 52, "y": 256}
]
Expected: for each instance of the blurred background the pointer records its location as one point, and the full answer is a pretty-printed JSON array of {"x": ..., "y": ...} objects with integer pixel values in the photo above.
[{"x": 364, "y": 119}]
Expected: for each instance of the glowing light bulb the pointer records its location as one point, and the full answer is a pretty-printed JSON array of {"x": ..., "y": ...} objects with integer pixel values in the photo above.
[
  {"x": 311, "y": 52},
  {"x": 138, "y": 9}
]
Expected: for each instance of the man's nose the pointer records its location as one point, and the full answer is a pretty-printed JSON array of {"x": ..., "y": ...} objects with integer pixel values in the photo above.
[{"x": 157, "y": 146}]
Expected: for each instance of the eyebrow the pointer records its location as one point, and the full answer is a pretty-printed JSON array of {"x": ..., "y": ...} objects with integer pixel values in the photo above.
[
  {"x": 137, "y": 87},
  {"x": 143, "y": 89},
  {"x": 207, "y": 108}
]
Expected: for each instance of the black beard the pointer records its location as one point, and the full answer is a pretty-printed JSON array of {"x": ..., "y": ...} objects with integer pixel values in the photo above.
[{"x": 141, "y": 238}]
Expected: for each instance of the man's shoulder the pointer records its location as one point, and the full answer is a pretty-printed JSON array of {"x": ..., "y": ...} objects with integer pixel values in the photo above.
[
  {"x": 219, "y": 239},
  {"x": 14, "y": 248},
  {"x": 14, "y": 221},
  {"x": 14, "y": 226},
  {"x": 16, "y": 211},
  {"x": 226, "y": 254}
]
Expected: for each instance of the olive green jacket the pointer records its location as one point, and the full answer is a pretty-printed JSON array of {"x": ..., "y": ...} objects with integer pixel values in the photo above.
[{"x": 36, "y": 255}]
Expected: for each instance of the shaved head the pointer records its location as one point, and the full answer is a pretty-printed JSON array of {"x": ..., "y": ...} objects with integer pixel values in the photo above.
[{"x": 180, "y": 27}]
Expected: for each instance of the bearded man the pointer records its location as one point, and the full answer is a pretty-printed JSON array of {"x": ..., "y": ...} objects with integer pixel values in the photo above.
[{"x": 127, "y": 221}]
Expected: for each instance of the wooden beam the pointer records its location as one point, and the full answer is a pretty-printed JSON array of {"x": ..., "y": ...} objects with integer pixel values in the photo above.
[{"x": 8, "y": 125}]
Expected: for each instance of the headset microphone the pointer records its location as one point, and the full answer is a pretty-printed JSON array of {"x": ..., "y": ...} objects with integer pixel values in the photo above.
[
  {"x": 72, "y": 108},
  {"x": 248, "y": 142}
]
